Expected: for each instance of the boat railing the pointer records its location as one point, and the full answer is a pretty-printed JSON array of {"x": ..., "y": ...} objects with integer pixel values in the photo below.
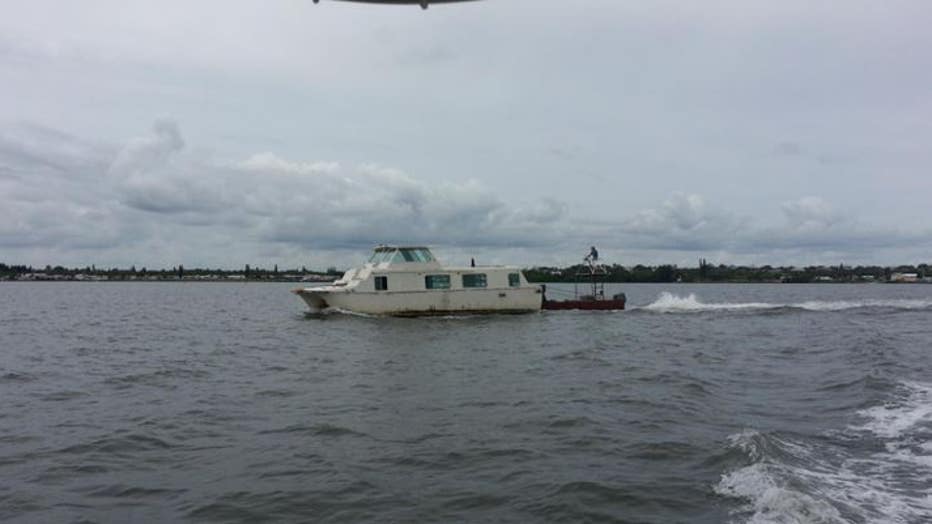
[{"x": 593, "y": 276}]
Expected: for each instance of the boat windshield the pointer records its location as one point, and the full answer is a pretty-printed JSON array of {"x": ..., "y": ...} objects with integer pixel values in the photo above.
[
  {"x": 381, "y": 256},
  {"x": 405, "y": 254},
  {"x": 416, "y": 254}
]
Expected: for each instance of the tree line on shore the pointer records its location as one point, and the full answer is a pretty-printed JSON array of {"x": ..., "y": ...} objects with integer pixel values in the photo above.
[
  {"x": 704, "y": 272},
  {"x": 24, "y": 272}
]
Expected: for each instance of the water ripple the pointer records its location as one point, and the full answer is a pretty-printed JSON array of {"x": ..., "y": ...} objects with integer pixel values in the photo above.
[{"x": 223, "y": 403}]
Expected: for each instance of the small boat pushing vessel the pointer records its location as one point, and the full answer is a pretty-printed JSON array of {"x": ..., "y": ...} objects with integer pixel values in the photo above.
[{"x": 589, "y": 290}]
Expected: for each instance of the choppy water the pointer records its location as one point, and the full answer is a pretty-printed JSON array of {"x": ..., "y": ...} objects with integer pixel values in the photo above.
[{"x": 223, "y": 402}]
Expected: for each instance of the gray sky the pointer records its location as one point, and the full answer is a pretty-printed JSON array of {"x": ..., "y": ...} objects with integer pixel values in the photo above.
[{"x": 219, "y": 133}]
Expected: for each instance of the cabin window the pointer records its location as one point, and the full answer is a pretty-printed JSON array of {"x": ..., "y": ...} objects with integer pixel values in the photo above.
[
  {"x": 474, "y": 280},
  {"x": 437, "y": 281},
  {"x": 417, "y": 255},
  {"x": 381, "y": 283},
  {"x": 380, "y": 256},
  {"x": 514, "y": 280}
]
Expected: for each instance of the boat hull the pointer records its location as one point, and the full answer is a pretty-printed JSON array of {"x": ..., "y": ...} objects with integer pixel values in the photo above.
[
  {"x": 595, "y": 305},
  {"x": 425, "y": 303}
]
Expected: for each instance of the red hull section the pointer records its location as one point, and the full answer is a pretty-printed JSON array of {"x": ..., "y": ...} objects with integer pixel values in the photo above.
[{"x": 584, "y": 304}]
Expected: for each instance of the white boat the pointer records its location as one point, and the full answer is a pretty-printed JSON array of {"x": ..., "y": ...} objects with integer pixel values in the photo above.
[{"x": 409, "y": 281}]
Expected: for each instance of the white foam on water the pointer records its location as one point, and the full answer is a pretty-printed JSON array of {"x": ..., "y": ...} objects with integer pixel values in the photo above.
[
  {"x": 920, "y": 455},
  {"x": 868, "y": 490},
  {"x": 841, "y": 305},
  {"x": 790, "y": 481},
  {"x": 745, "y": 442},
  {"x": 771, "y": 488},
  {"x": 668, "y": 302},
  {"x": 772, "y": 502},
  {"x": 895, "y": 418}
]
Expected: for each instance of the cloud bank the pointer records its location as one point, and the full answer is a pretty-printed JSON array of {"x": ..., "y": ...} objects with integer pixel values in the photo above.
[
  {"x": 790, "y": 132},
  {"x": 152, "y": 200}
]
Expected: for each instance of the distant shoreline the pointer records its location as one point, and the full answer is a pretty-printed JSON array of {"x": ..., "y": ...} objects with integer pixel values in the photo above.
[
  {"x": 323, "y": 282},
  {"x": 186, "y": 280},
  {"x": 705, "y": 273}
]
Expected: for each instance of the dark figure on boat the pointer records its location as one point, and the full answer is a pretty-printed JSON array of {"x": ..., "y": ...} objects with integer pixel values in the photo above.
[{"x": 593, "y": 255}]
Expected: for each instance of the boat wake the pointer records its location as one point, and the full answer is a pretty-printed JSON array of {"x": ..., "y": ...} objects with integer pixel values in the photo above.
[
  {"x": 895, "y": 419},
  {"x": 335, "y": 312},
  {"x": 882, "y": 472},
  {"x": 670, "y": 303}
]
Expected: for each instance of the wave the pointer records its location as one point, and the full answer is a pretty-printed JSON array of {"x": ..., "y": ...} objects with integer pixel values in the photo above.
[
  {"x": 13, "y": 376},
  {"x": 770, "y": 501},
  {"x": 667, "y": 302},
  {"x": 885, "y": 477},
  {"x": 912, "y": 410},
  {"x": 324, "y": 429},
  {"x": 114, "y": 445}
]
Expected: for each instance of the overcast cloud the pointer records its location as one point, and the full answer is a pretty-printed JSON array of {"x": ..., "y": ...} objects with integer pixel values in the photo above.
[{"x": 225, "y": 133}]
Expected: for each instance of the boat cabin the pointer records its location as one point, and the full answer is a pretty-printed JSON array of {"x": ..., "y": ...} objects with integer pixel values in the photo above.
[{"x": 414, "y": 268}]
